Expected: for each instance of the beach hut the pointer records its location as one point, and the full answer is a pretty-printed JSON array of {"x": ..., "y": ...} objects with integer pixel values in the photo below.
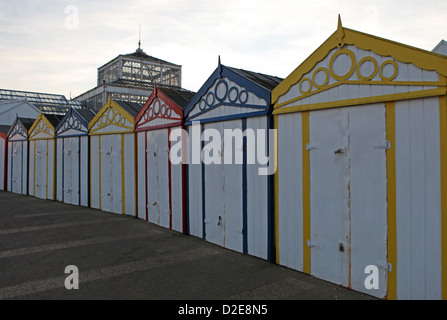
[
  {"x": 161, "y": 183},
  {"x": 72, "y": 157},
  {"x": 361, "y": 186},
  {"x": 18, "y": 156},
  {"x": 229, "y": 201},
  {"x": 112, "y": 158},
  {"x": 42, "y": 162},
  {"x": 3, "y": 156}
]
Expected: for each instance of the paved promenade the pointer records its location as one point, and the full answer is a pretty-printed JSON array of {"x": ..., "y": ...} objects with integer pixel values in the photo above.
[{"x": 121, "y": 257}]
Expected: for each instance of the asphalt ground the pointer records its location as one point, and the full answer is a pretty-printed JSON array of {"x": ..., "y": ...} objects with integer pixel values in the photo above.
[{"x": 124, "y": 258}]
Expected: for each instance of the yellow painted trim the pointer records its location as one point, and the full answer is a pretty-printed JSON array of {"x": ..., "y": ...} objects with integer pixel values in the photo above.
[
  {"x": 373, "y": 74},
  {"x": 111, "y": 132},
  {"x": 99, "y": 172},
  {"x": 277, "y": 194},
  {"x": 32, "y": 134},
  {"x": 423, "y": 59},
  {"x": 351, "y": 55},
  {"x": 391, "y": 197},
  {"x": 326, "y": 72},
  {"x": 34, "y": 171},
  {"x": 363, "y": 82},
  {"x": 110, "y": 104},
  {"x": 443, "y": 133},
  {"x": 394, "y": 75},
  {"x": 135, "y": 152},
  {"x": 46, "y": 171},
  {"x": 54, "y": 169},
  {"x": 366, "y": 100},
  {"x": 306, "y": 192},
  {"x": 123, "y": 189}
]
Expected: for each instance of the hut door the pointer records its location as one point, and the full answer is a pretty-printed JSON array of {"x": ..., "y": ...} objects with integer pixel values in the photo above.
[
  {"x": 348, "y": 195},
  {"x": 223, "y": 192},
  {"x": 158, "y": 178},
  {"x": 329, "y": 176},
  {"x": 75, "y": 172},
  {"x": 67, "y": 171},
  {"x": 41, "y": 169},
  {"x": 17, "y": 157},
  {"x": 116, "y": 174},
  {"x": 106, "y": 174}
]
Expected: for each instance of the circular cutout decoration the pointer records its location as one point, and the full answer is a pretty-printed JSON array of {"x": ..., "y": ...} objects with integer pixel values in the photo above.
[
  {"x": 396, "y": 70},
  {"x": 372, "y": 75},
  {"x": 233, "y": 94},
  {"x": 168, "y": 112},
  {"x": 351, "y": 70},
  {"x": 150, "y": 113},
  {"x": 202, "y": 104},
  {"x": 324, "y": 70},
  {"x": 221, "y": 90},
  {"x": 210, "y": 99},
  {"x": 156, "y": 106},
  {"x": 243, "y": 96},
  {"x": 300, "y": 85},
  {"x": 163, "y": 110}
]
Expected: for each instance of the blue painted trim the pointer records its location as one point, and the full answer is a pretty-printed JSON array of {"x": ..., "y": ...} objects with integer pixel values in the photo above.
[
  {"x": 244, "y": 192},
  {"x": 202, "y": 144},
  {"x": 203, "y": 111},
  {"x": 187, "y": 191},
  {"x": 66, "y": 117},
  {"x": 270, "y": 201},
  {"x": 79, "y": 170},
  {"x": 63, "y": 169},
  {"x": 27, "y": 167},
  {"x": 223, "y": 71},
  {"x": 231, "y": 117},
  {"x": 72, "y": 135}
]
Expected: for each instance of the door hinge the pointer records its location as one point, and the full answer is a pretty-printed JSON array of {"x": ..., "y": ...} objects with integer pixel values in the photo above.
[{"x": 312, "y": 244}]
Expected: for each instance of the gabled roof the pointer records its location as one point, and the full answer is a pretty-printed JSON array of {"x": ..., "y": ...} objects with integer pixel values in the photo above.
[
  {"x": 6, "y": 105},
  {"x": 4, "y": 129},
  {"x": 257, "y": 83},
  {"x": 24, "y": 123},
  {"x": 114, "y": 114},
  {"x": 343, "y": 36},
  {"x": 83, "y": 118},
  {"x": 45, "y": 124},
  {"x": 164, "y": 108}
]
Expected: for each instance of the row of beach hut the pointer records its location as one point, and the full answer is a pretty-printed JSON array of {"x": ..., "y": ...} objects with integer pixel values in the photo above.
[{"x": 358, "y": 134}]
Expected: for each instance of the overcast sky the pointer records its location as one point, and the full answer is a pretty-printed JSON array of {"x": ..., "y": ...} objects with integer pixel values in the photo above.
[{"x": 56, "y": 46}]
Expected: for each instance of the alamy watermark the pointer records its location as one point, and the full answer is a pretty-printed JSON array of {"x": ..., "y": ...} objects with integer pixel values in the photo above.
[
  {"x": 229, "y": 149},
  {"x": 72, "y": 281},
  {"x": 72, "y": 17}
]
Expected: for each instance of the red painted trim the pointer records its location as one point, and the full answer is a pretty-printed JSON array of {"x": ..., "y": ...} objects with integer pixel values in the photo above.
[
  {"x": 5, "y": 177},
  {"x": 184, "y": 168},
  {"x": 136, "y": 173},
  {"x": 157, "y": 93},
  {"x": 145, "y": 169},
  {"x": 161, "y": 126},
  {"x": 170, "y": 180}
]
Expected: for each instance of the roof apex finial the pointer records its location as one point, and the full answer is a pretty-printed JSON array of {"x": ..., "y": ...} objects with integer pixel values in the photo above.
[{"x": 340, "y": 33}]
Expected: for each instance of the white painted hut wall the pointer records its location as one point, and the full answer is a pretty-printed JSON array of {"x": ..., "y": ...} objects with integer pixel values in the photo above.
[
  {"x": 194, "y": 192},
  {"x": 223, "y": 196},
  {"x": 2, "y": 163},
  {"x": 176, "y": 194},
  {"x": 110, "y": 198},
  {"x": 290, "y": 193},
  {"x": 32, "y": 148},
  {"x": 94, "y": 172},
  {"x": 158, "y": 177},
  {"x": 407, "y": 72},
  {"x": 141, "y": 174},
  {"x": 129, "y": 174},
  {"x": 418, "y": 203},
  {"x": 72, "y": 167},
  {"x": 257, "y": 199}
]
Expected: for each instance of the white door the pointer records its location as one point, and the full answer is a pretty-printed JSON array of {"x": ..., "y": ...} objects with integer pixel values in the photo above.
[
  {"x": 116, "y": 174},
  {"x": 348, "y": 195},
  {"x": 158, "y": 178},
  {"x": 329, "y": 175},
  {"x": 223, "y": 194},
  {"x": 74, "y": 171},
  {"x": 67, "y": 163},
  {"x": 106, "y": 183},
  {"x": 16, "y": 175}
]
